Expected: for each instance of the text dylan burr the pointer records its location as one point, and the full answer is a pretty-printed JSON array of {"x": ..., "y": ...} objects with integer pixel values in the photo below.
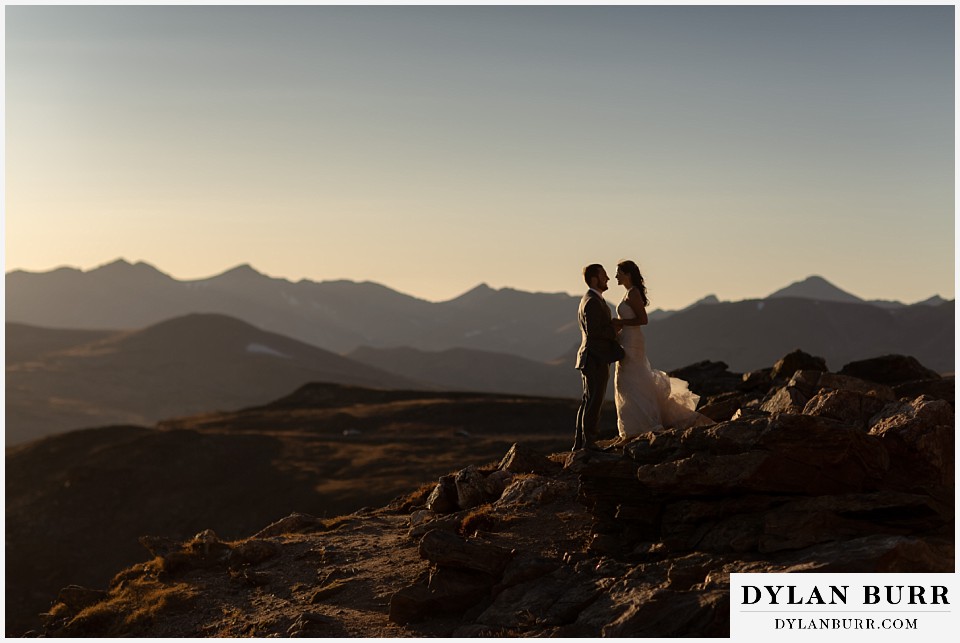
[{"x": 837, "y": 595}]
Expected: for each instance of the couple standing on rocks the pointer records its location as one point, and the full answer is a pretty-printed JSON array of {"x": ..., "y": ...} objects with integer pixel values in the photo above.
[{"x": 646, "y": 399}]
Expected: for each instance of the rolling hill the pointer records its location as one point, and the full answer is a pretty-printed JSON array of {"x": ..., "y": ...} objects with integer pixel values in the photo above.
[{"x": 186, "y": 365}]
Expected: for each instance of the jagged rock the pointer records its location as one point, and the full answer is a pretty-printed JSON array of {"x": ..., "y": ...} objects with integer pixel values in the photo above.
[
  {"x": 757, "y": 380},
  {"x": 443, "y": 498},
  {"x": 806, "y": 381},
  {"x": 665, "y": 613},
  {"x": 474, "y": 488},
  {"x": 920, "y": 435},
  {"x": 526, "y": 567},
  {"x": 459, "y": 589},
  {"x": 292, "y": 524},
  {"x": 471, "y": 487},
  {"x": 536, "y": 490},
  {"x": 834, "y": 382},
  {"x": 851, "y": 407},
  {"x": 715, "y": 525},
  {"x": 804, "y": 522},
  {"x": 449, "y": 550},
  {"x": 941, "y": 388},
  {"x": 77, "y": 598},
  {"x": 522, "y": 459},
  {"x": 427, "y": 521},
  {"x": 497, "y": 482},
  {"x": 411, "y": 604},
  {"x": 685, "y": 572},
  {"x": 721, "y": 408},
  {"x": 797, "y": 361},
  {"x": 708, "y": 378},
  {"x": 791, "y": 454},
  {"x": 749, "y": 413},
  {"x": 870, "y": 554},
  {"x": 551, "y": 600},
  {"x": 889, "y": 369},
  {"x": 786, "y": 399},
  {"x": 444, "y": 591}
]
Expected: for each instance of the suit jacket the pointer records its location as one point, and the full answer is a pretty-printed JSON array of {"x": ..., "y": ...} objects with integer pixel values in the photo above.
[{"x": 599, "y": 338}]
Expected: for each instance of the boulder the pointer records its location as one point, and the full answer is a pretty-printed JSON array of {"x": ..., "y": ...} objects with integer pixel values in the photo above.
[
  {"x": 786, "y": 399},
  {"x": 797, "y": 361},
  {"x": 720, "y": 408},
  {"x": 850, "y": 407},
  {"x": 449, "y": 550},
  {"x": 473, "y": 488},
  {"x": 534, "y": 490},
  {"x": 443, "y": 498},
  {"x": 941, "y": 388},
  {"x": 708, "y": 378},
  {"x": 920, "y": 437},
  {"x": 522, "y": 459},
  {"x": 760, "y": 380},
  {"x": 834, "y": 382},
  {"x": 889, "y": 369}
]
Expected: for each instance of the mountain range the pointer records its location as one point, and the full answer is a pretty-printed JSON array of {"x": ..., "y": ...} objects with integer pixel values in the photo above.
[
  {"x": 341, "y": 316},
  {"x": 126, "y": 344}
]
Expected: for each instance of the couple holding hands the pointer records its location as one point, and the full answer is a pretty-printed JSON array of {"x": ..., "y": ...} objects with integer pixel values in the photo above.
[{"x": 647, "y": 399}]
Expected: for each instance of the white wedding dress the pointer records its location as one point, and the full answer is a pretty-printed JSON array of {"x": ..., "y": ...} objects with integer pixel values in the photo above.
[{"x": 648, "y": 399}]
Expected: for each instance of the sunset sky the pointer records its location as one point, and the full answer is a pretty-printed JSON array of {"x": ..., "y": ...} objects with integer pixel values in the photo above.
[{"x": 727, "y": 149}]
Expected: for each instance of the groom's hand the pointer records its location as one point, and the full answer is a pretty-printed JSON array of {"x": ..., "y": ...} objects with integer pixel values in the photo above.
[{"x": 618, "y": 325}]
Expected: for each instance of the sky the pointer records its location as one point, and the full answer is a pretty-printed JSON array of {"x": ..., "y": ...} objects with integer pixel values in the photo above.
[{"x": 729, "y": 150}]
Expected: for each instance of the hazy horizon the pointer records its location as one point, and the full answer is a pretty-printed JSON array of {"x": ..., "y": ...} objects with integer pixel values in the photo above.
[
  {"x": 730, "y": 150},
  {"x": 613, "y": 291}
]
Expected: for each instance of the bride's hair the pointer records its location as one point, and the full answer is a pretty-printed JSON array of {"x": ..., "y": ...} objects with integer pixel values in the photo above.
[{"x": 636, "y": 278}]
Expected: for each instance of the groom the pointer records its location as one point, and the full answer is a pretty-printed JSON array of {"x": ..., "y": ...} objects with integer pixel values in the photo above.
[{"x": 598, "y": 349}]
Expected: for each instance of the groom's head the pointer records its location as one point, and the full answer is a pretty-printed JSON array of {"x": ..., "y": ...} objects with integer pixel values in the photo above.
[{"x": 596, "y": 277}]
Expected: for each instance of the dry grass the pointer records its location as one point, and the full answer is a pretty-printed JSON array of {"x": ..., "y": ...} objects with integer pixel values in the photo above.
[
  {"x": 482, "y": 519},
  {"x": 131, "y": 608}
]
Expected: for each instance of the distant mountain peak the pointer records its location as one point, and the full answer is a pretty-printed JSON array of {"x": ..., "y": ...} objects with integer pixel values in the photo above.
[
  {"x": 709, "y": 299},
  {"x": 242, "y": 269},
  {"x": 936, "y": 300},
  {"x": 243, "y": 273},
  {"x": 123, "y": 268},
  {"x": 475, "y": 294},
  {"x": 816, "y": 287}
]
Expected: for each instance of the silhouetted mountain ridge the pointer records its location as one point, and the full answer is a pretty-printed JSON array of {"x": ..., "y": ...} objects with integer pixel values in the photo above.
[{"x": 342, "y": 315}]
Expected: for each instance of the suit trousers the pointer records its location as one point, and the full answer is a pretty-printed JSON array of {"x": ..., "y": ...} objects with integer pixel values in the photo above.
[{"x": 595, "y": 376}]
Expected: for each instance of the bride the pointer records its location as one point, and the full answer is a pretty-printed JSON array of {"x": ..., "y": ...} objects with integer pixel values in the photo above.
[{"x": 647, "y": 399}]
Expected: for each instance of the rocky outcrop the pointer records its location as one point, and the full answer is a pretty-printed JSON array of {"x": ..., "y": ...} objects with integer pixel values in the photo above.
[
  {"x": 889, "y": 369},
  {"x": 805, "y": 470}
]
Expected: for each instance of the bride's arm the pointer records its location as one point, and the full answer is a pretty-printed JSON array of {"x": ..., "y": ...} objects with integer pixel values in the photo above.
[{"x": 636, "y": 303}]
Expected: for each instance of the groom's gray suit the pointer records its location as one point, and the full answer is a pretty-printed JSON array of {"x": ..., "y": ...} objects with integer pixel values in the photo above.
[{"x": 598, "y": 348}]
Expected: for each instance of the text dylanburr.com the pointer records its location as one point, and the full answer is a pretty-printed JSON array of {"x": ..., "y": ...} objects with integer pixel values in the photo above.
[{"x": 844, "y": 607}]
